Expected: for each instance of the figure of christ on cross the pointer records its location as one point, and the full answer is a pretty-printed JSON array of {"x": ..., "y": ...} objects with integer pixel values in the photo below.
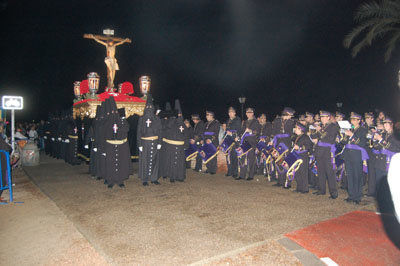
[{"x": 111, "y": 62}]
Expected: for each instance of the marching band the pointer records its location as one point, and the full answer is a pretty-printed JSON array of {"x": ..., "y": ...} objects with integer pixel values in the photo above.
[{"x": 313, "y": 150}]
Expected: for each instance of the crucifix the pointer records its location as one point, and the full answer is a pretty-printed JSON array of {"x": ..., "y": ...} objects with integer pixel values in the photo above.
[
  {"x": 148, "y": 122},
  {"x": 181, "y": 129},
  {"x": 115, "y": 127},
  {"x": 111, "y": 62}
]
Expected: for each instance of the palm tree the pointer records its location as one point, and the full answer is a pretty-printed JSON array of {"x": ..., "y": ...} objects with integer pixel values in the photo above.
[{"x": 376, "y": 20}]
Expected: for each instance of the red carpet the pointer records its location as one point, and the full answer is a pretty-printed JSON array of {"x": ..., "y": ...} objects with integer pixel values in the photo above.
[{"x": 356, "y": 238}]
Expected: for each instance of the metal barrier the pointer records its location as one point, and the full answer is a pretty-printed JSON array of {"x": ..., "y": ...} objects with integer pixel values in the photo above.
[{"x": 8, "y": 173}]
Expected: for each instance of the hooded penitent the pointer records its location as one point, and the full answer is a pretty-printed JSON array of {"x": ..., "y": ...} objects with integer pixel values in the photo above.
[
  {"x": 149, "y": 139},
  {"x": 116, "y": 147}
]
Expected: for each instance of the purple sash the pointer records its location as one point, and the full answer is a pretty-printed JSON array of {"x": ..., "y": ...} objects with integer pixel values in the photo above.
[
  {"x": 333, "y": 151},
  {"x": 389, "y": 155},
  {"x": 377, "y": 152},
  {"x": 364, "y": 154},
  {"x": 209, "y": 133},
  {"x": 279, "y": 136}
]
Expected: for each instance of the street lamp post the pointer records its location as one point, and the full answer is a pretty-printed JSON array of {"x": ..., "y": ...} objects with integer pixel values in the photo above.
[
  {"x": 339, "y": 106},
  {"x": 242, "y": 100}
]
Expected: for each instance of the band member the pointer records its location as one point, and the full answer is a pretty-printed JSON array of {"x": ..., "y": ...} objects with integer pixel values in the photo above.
[
  {"x": 210, "y": 136},
  {"x": 309, "y": 118},
  {"x": 370, "y": 126},
  {"x": 324, "y": 139},
  {"x": 233, "y": 128},
  {"x": 282, "y": 129},
  {"x": 189, "y": 136},
  {"x": 247, "y": 162},
  {"x": 303, "y": 146},
  {"x": 265, "y": 133},
  {"x": 354, "y": 155},
  {"x": 385, "y": 147},
  {"x": 302, "y": 120},
  {"x": 198, "y": 131},
  {"x": 149, "y": 142}
]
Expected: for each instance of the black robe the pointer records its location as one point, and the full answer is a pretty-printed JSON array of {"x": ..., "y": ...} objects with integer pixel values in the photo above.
[
  {"x": 116, "y": 148},
  {"x": 174, "y": 145},
  {"x": 148, "y": 137}
]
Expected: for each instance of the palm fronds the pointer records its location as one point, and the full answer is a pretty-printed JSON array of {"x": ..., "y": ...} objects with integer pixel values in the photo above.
[{"x": 376, "y": 20}]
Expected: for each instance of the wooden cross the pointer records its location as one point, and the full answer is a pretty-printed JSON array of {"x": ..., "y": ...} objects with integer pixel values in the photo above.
[{"x": 105, "y": 38}]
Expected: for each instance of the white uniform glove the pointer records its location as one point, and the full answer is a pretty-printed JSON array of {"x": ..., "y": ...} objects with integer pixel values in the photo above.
[
  {"x": 158, "y": 146},
  {"x": 59, "y": 139},
  {"x": 52, "y": 139},
  {"x": 45, "y": 137},
  {"x": 103, "y": 154},
  {"x": 67, "y": 141},
  {"x": 95, "y": 149},
  {"x": 86, "y": 146},
  {"x": 140, "y": 149}
]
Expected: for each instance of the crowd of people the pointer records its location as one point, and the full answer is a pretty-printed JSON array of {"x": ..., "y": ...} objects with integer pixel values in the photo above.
[{"x": 314, "y": 150}]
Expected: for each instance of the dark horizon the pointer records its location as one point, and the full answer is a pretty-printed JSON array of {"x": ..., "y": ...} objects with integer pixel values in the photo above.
[{"x": 205, "y": 53}]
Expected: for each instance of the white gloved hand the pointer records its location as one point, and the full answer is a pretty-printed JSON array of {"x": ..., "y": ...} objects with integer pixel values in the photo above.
[
  {"x": 140, "y": 149},
  {"x": 52, "y": 139},
  {"x": 67, "y": 141},
  {"x": 59, "y": 139},
  {"x": 95, "y": 149},
  {"x": 103, "y": 154},
  {"x": 86, "y": 146},
  {"x": 158, "y": 146},
  {"x": 45, "y": 137}
]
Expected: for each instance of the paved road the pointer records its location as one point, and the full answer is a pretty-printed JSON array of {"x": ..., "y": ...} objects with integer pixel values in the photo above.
[{"x": 181, "y": 223}]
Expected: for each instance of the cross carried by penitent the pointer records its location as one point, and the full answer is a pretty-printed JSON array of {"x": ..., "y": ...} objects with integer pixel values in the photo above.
[{"x": 111, "y": 62}]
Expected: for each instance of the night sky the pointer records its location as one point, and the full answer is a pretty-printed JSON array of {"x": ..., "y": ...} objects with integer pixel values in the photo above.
[{"x": 207, "y": 53}]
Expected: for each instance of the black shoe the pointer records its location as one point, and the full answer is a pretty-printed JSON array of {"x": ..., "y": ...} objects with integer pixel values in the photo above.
[
  {"x": 234, "y": 176},
  {"x": 98, "y": 178},
  {"x": 164, "y": 177},
  {"x": 206, "y": 172},
  {"x": 155, "y": 182},
  {"x": 105, "y": 182},
  {"x": 303, "y": 192},
  {"x": 285, "y": 187},
  {"x": 315, "y": 192},
  {"x": 238, "y": 178},
  {"x": 356, "y": 202},
  {"x": 172, "y": 180},
  {"x": 318, "y": 193},
  {"x": 277, "y": 185},
  {"x": 332, "y": 197},
  {"x": 249, "y": 179},
  {"x": 180, "y": 180},
  {"x": 121, "y": 185},
  {"x": 212, "y": 173},
  {"x": 227, "y": 175},
  {"x": 110, "y": 186},
  {"x": 145, "y": 184},
  {"x": 196, "y": 170},
  {"x": 348, "y": 199}
]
